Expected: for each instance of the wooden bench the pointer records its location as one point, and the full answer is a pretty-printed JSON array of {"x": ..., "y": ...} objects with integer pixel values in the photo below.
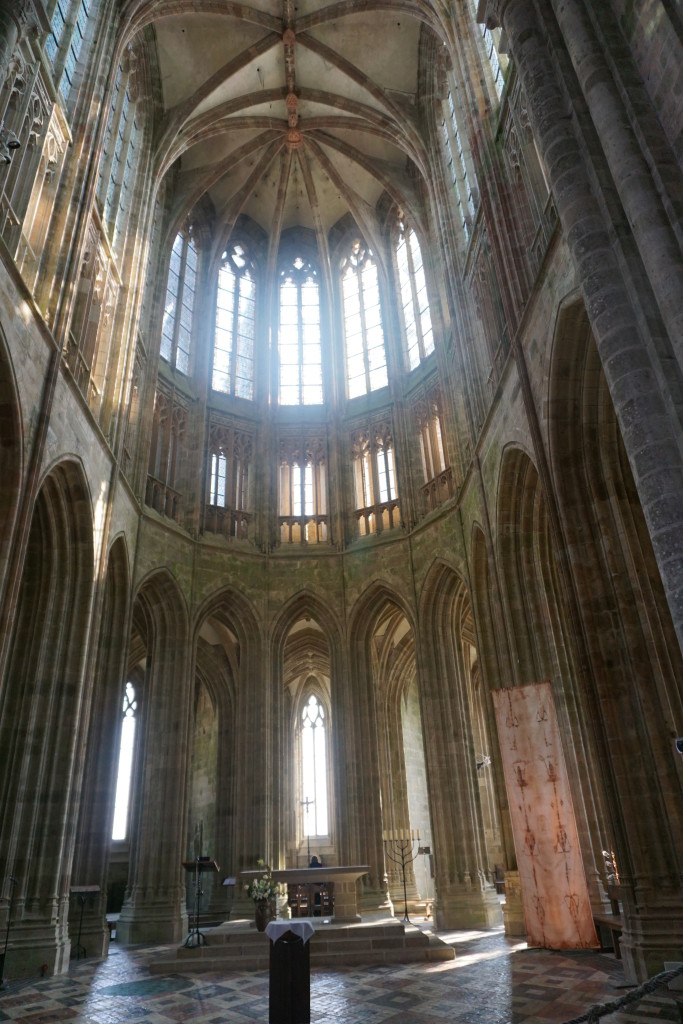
[{"x": 611, "y": 922}]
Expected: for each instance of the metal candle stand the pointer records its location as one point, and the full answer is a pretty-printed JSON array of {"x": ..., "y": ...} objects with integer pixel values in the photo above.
[
  {"x": 13, "y": 882},
  {"x": 398, "y": 847}
]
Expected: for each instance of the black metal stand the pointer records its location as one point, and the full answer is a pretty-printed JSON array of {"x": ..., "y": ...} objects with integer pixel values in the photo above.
[
  {"x": 83, "y": 892},
  {"x": 199, "y": 866},
  {"x": 196, "y": 937},
  {"x": 13, "y": 882},
  {"x": 79, "y": 948},
  {"x": 400, "y": 851}
]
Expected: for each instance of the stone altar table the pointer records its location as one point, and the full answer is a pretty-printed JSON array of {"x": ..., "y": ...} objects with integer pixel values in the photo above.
[{"x": 344, "y": 879}]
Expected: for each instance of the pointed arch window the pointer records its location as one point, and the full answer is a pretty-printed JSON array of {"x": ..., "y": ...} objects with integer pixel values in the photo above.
[
  {"x": 65, "y": 41},
  {"x": 299, "y": 345},
  {"x": 122, "y": 146},
  {"x": 366, "y": 360},
  {"x": 125, "y": 770},
  {"x": 497, "y": 60},
  {"x": 417, "y": 321},
  {"x": 314, "y": 768},
  {"x": 233, "y": 348},
  {"x": 457, "y": 165},
  {"x": 176, "y": 330}
]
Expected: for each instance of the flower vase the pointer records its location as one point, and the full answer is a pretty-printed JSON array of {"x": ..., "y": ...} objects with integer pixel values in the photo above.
[{"x": 264, "y": 911}]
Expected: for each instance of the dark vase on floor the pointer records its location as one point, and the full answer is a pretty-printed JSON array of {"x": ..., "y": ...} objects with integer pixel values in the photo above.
[{"x": 264, "y": 911}]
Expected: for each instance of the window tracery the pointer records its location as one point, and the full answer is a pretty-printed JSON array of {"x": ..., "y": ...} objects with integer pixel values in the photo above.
[
  {"x": 299, "y": 340},
  {"x": 438, "y": 479},
  {"x": 366, "y": 361},
  {"x": 461, "y": 178},
  {"x": 303, "y": 489},
  {"x": 374, "y": 471},
  {"x": 417, "y": 322},
  {"x": 169, "y": 421},
  {"x": 227, "y": 509},
  {"x": 233, "y": 352},
  {"x": 314, "y": 775}
]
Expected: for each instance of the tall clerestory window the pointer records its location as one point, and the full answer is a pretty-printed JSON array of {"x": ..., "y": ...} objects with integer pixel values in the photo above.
[
  {"x": 233, "y": 349},
  {"x": 314, "y": 769},
  {"x": 121, "y": 151},
  {"x": 366, "y": 360},
  {"x": 125, "y": 772},
  {"x": 457, "y": 165},
  {"x": 65, "y": 41},
  {"x": 417, "y": 321},
  {"x": 299, "y": 346},
  {"x": 176, "y": 330},
  {"x": 497, "y": 61}
]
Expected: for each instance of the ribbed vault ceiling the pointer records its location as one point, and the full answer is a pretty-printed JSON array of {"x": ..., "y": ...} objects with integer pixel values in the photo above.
[{"x": 293, "y": 114}]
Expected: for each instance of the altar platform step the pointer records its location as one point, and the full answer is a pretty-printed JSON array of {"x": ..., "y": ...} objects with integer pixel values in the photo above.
[{"x": 237, "y": 946}]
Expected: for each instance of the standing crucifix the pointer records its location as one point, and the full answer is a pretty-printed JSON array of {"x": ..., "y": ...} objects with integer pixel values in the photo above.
[{"x": 307, "y": 803}]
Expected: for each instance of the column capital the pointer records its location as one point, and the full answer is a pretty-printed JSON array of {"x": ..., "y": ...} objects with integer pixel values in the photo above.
[
  {"x": 28, "y": 15},
  {"x": 492, "y": 12}
]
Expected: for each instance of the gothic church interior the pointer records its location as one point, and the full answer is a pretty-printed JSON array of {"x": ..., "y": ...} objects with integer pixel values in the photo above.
[{"x": 340, "y": 391}]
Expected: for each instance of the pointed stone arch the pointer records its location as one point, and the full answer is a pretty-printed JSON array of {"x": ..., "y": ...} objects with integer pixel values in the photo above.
[
  {"x": 227, "y": 683},
  {"x": 45, "y": 693},
  {"x": 306, "y": 641},
  {"x": 96, "y": 808},
  {"x": 11, "y": 455}
]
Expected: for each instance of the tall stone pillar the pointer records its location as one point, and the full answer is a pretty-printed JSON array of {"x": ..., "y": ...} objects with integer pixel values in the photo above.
[
  {"x": 464, "y": 898},
  {"x": 154, "y": 909},
  {"x": 643, "y": 378},
  {"x": 636, "y": 381}
]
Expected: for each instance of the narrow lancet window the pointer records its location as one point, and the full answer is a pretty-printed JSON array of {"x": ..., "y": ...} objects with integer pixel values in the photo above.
[
  {"x": 417, "y": 322},
  {"x": 299, "y": 347},
  {"x": 125, "y": 772},
  {"x": 314, "y": 769},
  {"x": 233, "y": 350},
  {"x": 366, "y": 361},
  {"x": 176, "y": 331}
]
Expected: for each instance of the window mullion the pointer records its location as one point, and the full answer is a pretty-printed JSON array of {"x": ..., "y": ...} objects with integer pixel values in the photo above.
[{"x": 179, "y": 302}]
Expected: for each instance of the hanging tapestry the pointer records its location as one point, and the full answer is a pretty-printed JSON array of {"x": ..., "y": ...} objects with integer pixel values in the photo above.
[{"x": 554, "y": 892}]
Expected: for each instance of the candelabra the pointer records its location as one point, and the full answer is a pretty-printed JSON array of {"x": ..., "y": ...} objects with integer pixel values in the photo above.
[{"x": 398, "y": 847}]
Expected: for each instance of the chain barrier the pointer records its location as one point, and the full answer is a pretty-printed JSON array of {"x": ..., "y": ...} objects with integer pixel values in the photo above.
[{"x": 602, "y": 1009}]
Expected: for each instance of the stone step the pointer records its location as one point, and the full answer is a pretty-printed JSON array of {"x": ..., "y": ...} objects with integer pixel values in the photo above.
[{"x": 238, "y": 946}]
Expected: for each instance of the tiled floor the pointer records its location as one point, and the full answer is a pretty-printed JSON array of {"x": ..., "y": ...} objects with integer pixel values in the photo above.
[{"x": 491, "y": 981}]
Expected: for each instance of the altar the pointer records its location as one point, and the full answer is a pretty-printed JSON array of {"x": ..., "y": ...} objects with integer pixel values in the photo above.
[{"x": 342, "y": 878}]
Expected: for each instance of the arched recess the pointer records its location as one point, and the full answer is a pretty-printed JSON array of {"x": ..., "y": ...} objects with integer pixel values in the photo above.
[
  {"x": 388, "y": 767},
  {"x": 465, "y": 896},
  {"x": 154, "y": 908},
  {"x": 306, "y": 657},
  {"x": 635, "y": 661},
  {"x": 227, "y": 750},
  {"x": 96, "y": 804},
  {"x": 44, "y": 697},
  {"x": 542, "y": 641},
  {"x": 11, "y": 454}
]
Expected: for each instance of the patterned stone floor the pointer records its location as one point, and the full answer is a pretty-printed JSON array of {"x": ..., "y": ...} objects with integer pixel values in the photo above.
[{"x": 491, "y": 981}]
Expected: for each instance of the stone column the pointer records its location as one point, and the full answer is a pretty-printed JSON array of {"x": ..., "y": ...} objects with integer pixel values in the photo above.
[
  {"x": 658, "y": 246},
  {"x": 645, "y": 414},
  {"x": 154, "y": 909},
  {"x": 631, "y": 363}
]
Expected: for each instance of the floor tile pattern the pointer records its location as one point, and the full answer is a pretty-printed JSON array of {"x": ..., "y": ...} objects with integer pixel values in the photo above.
[{"x": 491, "y": 981}]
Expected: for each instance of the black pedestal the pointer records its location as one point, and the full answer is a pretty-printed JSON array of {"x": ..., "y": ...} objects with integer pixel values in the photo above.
[{"x": 290, "y": 981}]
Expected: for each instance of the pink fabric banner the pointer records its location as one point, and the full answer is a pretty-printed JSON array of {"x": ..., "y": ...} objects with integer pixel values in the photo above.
[{"x": 554, "y": 891}]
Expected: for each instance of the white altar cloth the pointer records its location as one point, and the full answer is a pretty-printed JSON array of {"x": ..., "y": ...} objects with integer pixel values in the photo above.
[{"x": 276, "y": 929}]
